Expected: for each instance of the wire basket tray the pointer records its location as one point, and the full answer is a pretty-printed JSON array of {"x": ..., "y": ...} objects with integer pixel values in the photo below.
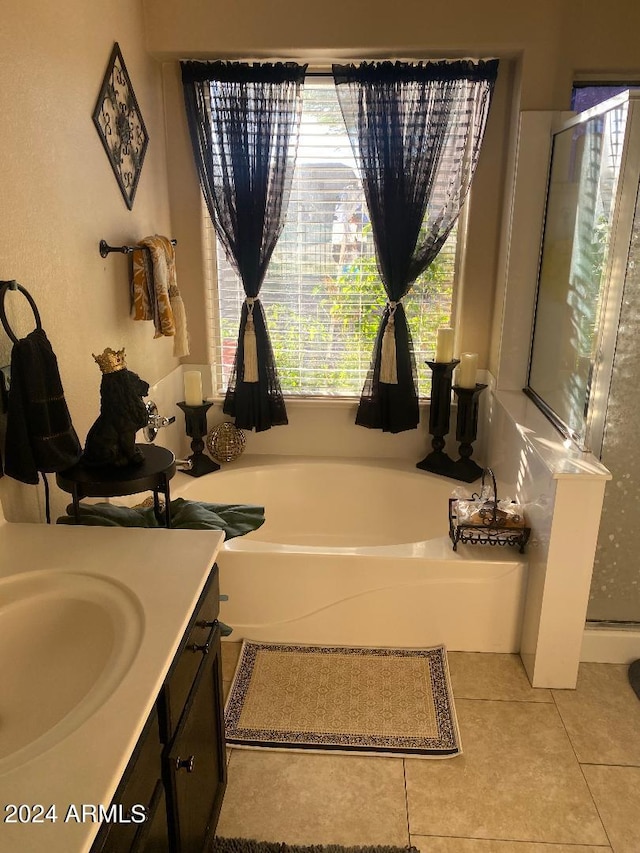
[{"x": 490, "y": 529}]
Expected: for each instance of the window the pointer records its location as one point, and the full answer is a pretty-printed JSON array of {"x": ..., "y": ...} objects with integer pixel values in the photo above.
[
  {"x": 322, "y": 296},
  {"x": 587, "y": 95}
]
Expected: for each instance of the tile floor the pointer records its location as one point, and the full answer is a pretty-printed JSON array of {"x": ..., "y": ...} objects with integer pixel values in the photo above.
[{"x": 543, "y": 771}]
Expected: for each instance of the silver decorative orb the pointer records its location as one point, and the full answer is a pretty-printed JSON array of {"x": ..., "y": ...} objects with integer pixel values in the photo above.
[{"x": 225, "y": 442}]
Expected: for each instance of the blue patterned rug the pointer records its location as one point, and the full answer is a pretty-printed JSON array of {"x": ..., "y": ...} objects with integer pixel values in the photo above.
[{"x": 373, "y": 701}]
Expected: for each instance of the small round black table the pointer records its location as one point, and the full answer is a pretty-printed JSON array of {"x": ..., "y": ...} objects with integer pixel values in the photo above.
[{"x": 85, "y": 481}]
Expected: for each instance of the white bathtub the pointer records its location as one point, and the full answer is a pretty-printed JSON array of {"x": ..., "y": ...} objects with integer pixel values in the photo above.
[{"x": 357, "y": 552}]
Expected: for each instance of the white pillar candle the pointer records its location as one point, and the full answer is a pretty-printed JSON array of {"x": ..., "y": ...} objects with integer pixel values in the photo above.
[
  {"x": 193, "y": 388},
  {"x": 467, "y": 369},
  {"x": 444, "y": 344}
]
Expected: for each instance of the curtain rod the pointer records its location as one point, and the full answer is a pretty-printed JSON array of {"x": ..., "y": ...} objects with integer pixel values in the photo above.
[{"x": 352, "y": 61}]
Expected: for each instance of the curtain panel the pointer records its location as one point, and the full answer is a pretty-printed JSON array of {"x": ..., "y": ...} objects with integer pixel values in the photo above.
[
  {"x": 244, "y": 121},
  {"x": 416, "y": 130}
]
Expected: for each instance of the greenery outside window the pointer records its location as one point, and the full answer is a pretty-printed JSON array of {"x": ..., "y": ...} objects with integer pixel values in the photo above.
[{"x": 322, "y": 295}]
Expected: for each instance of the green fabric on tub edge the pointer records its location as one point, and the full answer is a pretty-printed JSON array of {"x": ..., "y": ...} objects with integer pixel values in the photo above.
[{"x": 234, "y": 519}]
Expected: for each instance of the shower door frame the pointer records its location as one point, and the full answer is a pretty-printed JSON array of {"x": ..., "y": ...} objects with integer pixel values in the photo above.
[{"x": 614, "y": 275}]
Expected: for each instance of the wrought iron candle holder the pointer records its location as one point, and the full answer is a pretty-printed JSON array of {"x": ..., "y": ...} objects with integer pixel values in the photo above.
[
  {"x": 196, "y": 428},
  {"x": 465, "y": 468},
  {"x": 438, "y": 462}
]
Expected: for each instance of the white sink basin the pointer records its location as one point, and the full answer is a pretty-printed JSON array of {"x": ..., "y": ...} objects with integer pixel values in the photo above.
[{"x": 66, "y": 642}]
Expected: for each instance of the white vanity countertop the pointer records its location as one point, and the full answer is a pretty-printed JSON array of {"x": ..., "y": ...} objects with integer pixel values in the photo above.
[{"x": 163, "y": 573}]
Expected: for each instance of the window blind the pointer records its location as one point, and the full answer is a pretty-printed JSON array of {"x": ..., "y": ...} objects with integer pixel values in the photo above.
[{"x": 322, "y": 294}]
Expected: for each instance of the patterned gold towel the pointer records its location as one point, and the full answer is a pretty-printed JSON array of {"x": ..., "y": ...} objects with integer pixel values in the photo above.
[
  {"x": 142, "y": 285},
  {"x": 154, "y": 291}
]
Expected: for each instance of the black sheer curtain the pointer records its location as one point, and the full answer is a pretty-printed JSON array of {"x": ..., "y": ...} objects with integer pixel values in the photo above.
[
  {"x": 243, "y": 122},
  {"x": 416, "y": 131}
]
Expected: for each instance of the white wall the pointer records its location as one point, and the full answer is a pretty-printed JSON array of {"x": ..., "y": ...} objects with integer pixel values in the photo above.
[{"x": 60, "y": 197}]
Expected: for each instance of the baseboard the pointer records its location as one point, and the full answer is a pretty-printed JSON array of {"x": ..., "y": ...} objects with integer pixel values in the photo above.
[{"x": 610, "y": 645}]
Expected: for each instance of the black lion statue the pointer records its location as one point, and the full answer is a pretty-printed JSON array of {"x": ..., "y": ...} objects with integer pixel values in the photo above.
[{"x": 112, "y": 438}]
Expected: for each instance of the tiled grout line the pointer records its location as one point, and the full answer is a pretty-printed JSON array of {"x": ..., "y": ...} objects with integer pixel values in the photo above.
[
  {"x": 586, "y": 782},
  {"x": 406, "y": 799},
  {"x": 607, "y": 846},
  {"x": 511, "y": 701},
  {"x": 510, "y": 841}
]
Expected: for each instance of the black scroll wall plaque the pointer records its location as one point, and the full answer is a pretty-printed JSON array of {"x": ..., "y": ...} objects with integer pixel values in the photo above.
[{"x": 119, "y": 123}]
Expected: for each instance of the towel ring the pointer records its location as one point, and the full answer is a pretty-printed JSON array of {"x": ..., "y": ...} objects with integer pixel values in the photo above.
[{"x": 13, "y": 285}]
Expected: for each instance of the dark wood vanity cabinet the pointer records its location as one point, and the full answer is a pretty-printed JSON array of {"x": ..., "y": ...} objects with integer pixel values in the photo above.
[
  {"x": 178, "y": 770},
  {"x": 194, "y": 763},
  {"x": 140, "y": 786}
]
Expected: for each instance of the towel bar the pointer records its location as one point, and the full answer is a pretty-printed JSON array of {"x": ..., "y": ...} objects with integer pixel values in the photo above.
[
  {"x": 105, "y": 248},
  {"x": 13, "y": 285}
]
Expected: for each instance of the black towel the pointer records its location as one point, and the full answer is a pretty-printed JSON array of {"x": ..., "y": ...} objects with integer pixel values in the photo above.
[{"x": 40, "y": 435}]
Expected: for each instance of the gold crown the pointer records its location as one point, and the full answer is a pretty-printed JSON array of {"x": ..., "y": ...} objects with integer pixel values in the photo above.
[{"x": 110, "y": 361}]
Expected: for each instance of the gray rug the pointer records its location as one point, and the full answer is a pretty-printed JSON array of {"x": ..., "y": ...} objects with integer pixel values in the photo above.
[{"x": 243, "y": 845}]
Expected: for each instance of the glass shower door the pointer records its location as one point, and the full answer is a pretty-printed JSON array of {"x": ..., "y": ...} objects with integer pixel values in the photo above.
[
  {"x": 615, "y": 587},
  {"x": 585, "y": 356},
  {"x": 587, "y": 227}
]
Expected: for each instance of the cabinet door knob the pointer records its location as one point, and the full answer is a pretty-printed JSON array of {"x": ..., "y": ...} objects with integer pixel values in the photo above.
[
  {"x": 185, "y": 763},
  {"x": 206, "y": 623},
  {"x": 196, "y": 647}
]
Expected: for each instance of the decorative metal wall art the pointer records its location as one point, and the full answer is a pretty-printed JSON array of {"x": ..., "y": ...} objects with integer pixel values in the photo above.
[{"x": 119, "y": 123}]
